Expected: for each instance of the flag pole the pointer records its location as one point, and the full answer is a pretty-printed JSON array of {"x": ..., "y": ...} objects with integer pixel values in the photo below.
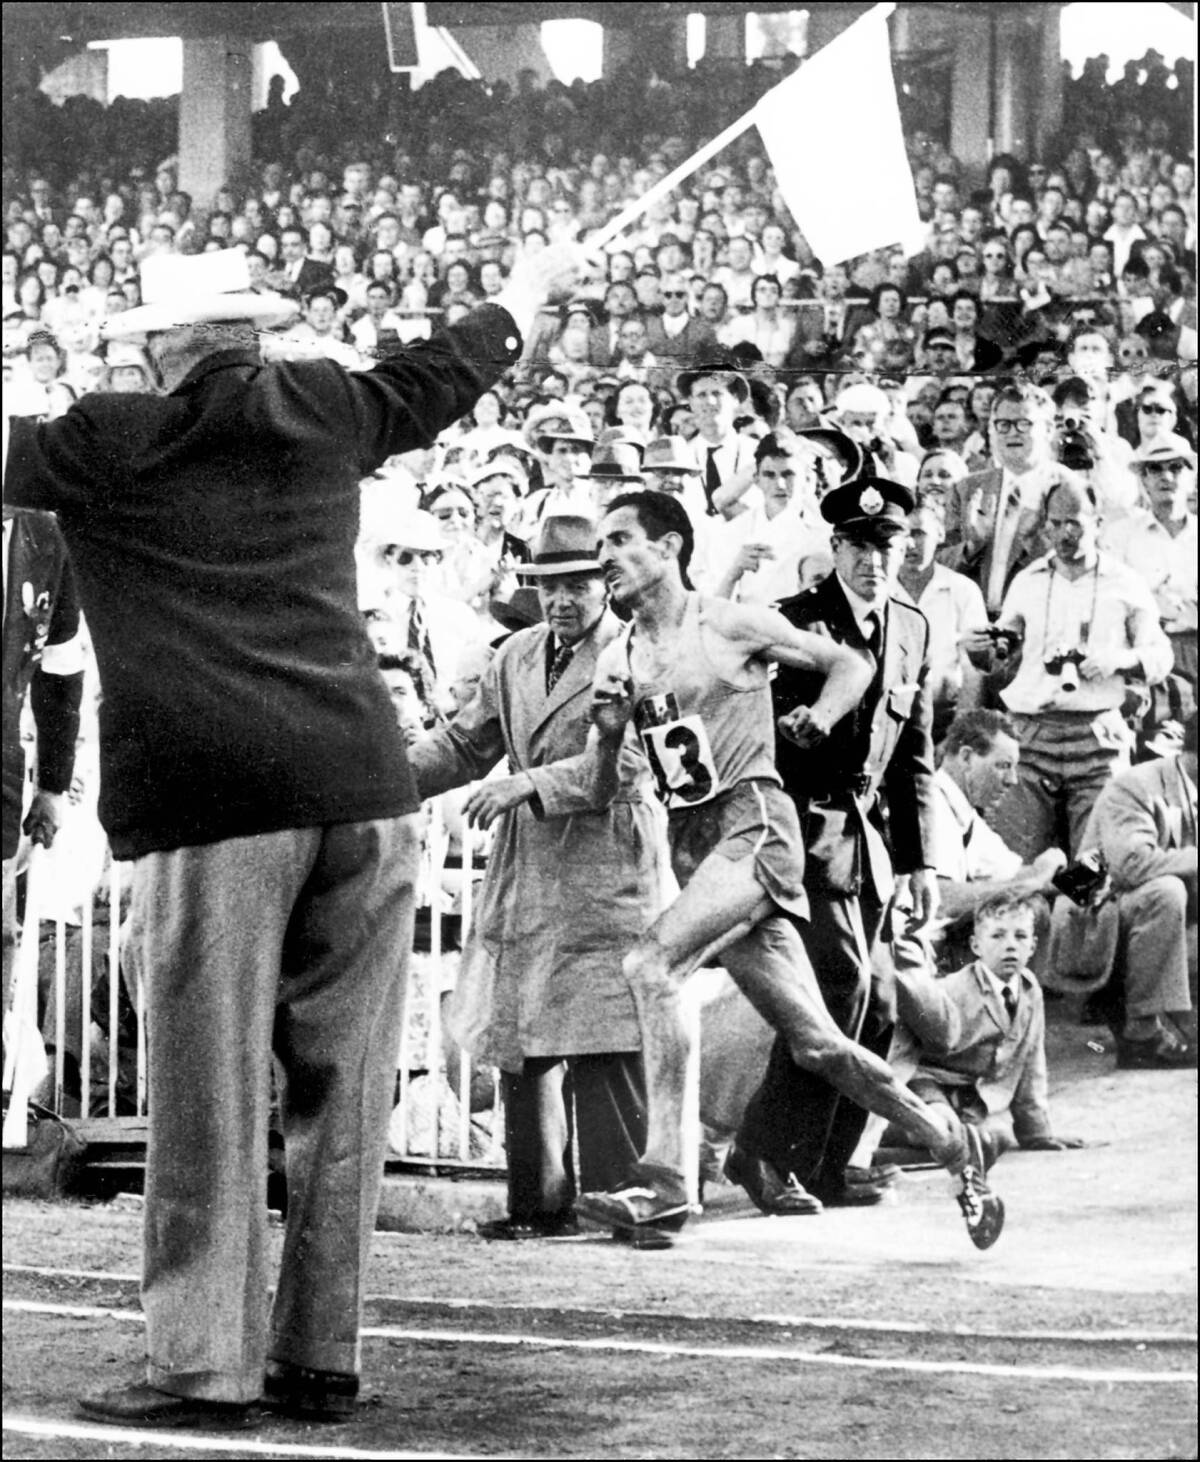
[{"x": 633, "y": 211}]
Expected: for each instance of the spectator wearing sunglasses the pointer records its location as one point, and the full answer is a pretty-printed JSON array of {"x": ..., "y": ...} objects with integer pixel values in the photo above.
[
  {"x": 1152, "y": 415},
  {"x": 677, "y": 336}
]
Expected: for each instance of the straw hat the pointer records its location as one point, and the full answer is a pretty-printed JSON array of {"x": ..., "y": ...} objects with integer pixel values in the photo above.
[{"x": 196, "y": 289}]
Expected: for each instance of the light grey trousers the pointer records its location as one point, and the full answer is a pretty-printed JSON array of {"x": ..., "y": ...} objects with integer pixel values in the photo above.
[{"x": 294, "y": 943}]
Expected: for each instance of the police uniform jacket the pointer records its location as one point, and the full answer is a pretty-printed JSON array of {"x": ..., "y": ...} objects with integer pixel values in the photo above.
[{"x": 881, "y": 750}]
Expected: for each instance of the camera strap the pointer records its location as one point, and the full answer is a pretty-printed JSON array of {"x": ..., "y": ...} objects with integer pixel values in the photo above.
[{"x": 1086, "y": 627}]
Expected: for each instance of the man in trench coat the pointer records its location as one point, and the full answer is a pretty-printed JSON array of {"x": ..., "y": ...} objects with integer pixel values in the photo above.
[{"x": 570, "y": 884}]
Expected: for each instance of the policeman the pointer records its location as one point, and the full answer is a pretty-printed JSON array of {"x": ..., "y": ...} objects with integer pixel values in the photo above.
[{"x": 798, "y": 1133}]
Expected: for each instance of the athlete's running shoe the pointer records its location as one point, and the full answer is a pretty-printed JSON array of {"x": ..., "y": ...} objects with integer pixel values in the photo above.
[{"x": 982, "y": 1209}]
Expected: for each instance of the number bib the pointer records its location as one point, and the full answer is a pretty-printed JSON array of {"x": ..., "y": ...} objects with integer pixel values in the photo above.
[{"x": 682, "y": 761}]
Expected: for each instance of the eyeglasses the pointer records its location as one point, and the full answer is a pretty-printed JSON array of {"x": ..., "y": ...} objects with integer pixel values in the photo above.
[
  {"x": 998, "y": 255},
  {"x": 1004, "y": 425},
  {"x": 1155, "y": 408},
  {"x": 1132, "y": 355},
  {"x": 407, "y": 556},
  {"x": 674, "y": 294}
]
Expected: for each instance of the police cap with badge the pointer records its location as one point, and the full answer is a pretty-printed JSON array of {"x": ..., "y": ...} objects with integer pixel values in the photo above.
[{"x": 868, "y": 508}]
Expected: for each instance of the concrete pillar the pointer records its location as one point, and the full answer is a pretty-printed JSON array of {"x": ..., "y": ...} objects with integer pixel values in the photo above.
[
  {"x": 1014, "y": 86},
  {"x": 970, "y": 89},
  {"x": 1048, "y": 111},
  {"x": 214, "y": 115},
  {"x": 725, "y": 38},
  {"x": 621, "y": 45}
]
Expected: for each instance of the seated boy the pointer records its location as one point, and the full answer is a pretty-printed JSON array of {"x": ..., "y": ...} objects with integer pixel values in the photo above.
[{"x": 975, "y": 1040}]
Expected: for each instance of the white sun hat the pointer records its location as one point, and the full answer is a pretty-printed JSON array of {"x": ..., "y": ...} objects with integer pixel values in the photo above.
[{"x": 196, "y": 289}]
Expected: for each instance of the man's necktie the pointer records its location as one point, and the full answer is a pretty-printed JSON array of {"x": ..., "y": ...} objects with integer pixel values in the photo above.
[
  {"x": 1010, "y": 1003},
  {"x": 418, "y": 635},
  {"x": 874, "y": 634},
  {"x": 562, "y": 658},
  {"x": 712, "y": 480}
]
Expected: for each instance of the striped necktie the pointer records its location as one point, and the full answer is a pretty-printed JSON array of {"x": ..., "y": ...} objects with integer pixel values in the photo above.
[
  {"x": 558, "y": 665},
  {"x": 418, "y": 635}
]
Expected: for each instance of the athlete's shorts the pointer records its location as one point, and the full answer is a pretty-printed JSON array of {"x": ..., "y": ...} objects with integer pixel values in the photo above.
[{"x": 754, "y": 819}]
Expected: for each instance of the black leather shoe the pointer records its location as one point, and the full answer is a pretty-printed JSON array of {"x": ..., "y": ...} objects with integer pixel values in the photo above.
[
  {"x": 521, "y": 1230},
  {"x": 779, "y": 1194},
  {"x": 854, "y": 1195},
  {"x": 143, "y": 1405},
  {"x": 309, "y": 1395},
  {"x": 1163, "y": 1051}
]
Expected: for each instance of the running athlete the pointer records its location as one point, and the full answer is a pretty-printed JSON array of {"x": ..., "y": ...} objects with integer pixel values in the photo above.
[{"x": 692, "y": 674}]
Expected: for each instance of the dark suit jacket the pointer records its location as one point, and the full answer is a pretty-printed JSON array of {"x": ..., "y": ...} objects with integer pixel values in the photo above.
[
  {"x": 695, "y": 343},
  {"x": 312, "y": 273},
  {"x": 883, "y": 748},
  {"x": 212, "y": 530},
  {"x": 976, "y": 500},
  {"x": 41, "y": 610}
]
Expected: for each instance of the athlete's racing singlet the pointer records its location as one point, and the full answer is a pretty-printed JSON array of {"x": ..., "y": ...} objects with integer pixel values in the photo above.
[{"x": 702, "y": 735}]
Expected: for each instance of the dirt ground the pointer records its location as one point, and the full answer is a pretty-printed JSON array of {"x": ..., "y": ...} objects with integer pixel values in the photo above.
[{"x": 869, "y": 1333}]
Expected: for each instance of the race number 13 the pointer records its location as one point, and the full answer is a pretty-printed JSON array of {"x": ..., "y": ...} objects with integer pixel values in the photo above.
[{"x": 682, "y": 761}]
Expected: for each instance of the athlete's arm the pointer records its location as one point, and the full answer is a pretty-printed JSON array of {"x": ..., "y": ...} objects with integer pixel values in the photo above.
[{"x": 767, "y": 635}]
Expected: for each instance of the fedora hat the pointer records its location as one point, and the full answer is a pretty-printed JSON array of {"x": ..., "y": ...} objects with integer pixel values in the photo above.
[
  {"x": 564, "y": 545},
  {"x": 616, "y": 461},
  {"x": 738, "y": 386},
  {"x": 384, "y": 525},
  {"x": 631, "y": 435},
  {"x": 197, "y": 289},
  {"x": 828, "y": 441},
  {"x": 670, "y": 454},
  {"x": 553, "y": 422},
  {"x": 1170, "y": 448}
]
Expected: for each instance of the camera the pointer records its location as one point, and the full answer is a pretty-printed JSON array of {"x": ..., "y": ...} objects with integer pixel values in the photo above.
[
  {"x": 1066, "y": 666},
  {"x": 1075, "y": 448},
  {"x": 1004, "y": 642},
  {"x": 1082, "y": 880}
]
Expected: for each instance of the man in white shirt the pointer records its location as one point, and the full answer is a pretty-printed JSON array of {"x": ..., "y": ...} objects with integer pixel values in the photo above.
[
  {"x": 716, "y": 393},
  {"x": 397, "y": 553},
  {"x": 994, "y": 517},
  {"x": 1124, "y": 231},
  {"x": 978, "y": 764},
  {"x": 954, "y": 607},
  {"x": 764, "y": 545},
  {"x": 1159, "y": 543},
  {"x": 379, "y": 320},
  {"x": 1086, "y": 624}
]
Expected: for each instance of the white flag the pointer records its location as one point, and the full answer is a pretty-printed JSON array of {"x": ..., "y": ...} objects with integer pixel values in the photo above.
[{"x": 832, "y": 131}]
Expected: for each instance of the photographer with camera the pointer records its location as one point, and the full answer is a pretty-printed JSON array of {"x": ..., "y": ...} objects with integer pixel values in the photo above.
[
  {"x": 1081, "y": 443},
  {"x": 1086, "y": 626}
]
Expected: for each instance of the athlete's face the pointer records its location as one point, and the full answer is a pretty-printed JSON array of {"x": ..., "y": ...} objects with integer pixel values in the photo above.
[
  {"x": 632, "y": 561},
  {"x": 571, "y": 604}
]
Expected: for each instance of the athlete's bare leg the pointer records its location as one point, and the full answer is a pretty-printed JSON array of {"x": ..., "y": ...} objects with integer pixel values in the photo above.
[{"x": 770, "y": 966}]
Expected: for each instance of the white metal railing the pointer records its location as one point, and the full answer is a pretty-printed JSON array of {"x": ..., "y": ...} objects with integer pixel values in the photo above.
[{"x": 112, "y": 1076}]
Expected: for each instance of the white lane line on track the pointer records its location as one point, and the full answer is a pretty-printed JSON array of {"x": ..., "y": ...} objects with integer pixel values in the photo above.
[
  {"x": 781, "y": 1322},
  {"x": 237, "y": 1446},
  {"x": 693, "y": 1352}
]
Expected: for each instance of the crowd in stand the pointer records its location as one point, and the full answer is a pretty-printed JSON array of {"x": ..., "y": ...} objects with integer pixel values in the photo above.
[{"x": 1043, "y": 339}]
